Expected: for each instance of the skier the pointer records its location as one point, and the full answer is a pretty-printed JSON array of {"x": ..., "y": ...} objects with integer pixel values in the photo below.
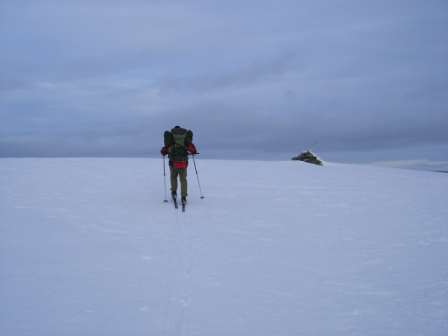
[{"x": 178, "y": 144}]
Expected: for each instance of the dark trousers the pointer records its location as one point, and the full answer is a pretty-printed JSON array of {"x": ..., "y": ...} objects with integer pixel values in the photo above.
[{"x": 182, "y": 173}]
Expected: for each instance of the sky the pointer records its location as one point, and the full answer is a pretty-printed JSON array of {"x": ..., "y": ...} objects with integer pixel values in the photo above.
[{"x": 257, "y": 80}]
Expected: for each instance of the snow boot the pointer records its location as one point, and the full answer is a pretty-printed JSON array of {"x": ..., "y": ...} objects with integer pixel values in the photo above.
[
  {"x": 173, "y": 194},
  {"x": 184, "y": 199}
]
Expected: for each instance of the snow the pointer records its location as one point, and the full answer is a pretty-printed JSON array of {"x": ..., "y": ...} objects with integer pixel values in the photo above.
[{"x": 88, "y": 247}]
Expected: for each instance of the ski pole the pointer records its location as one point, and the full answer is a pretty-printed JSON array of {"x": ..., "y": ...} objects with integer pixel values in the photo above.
[
  {"x": 197, "y": 176},
  {"x": 164, "y": 177}
]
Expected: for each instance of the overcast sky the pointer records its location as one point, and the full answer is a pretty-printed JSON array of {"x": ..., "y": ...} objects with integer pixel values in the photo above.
[{"x": 258, "y": 79}]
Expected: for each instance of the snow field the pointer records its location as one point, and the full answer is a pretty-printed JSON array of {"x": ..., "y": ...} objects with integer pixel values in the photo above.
[{"x": 88, "y": 247}]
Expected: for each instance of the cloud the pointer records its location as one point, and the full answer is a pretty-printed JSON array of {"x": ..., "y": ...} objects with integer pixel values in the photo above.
[
  {"x": 252, "y": 79},
  {"x": 256, "y": 71}
]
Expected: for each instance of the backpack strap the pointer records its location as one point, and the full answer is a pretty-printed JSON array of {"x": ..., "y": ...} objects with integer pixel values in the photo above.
[{"x": 168, "y": 138}]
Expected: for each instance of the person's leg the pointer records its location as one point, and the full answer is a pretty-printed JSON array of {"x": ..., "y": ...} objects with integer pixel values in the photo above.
[
  {"x": 173, "y": 179},
  {"x": 183, "y": 182}
]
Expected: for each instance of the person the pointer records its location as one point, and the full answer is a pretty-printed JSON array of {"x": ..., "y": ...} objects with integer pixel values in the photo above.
[{"x": 178, "y": 145}]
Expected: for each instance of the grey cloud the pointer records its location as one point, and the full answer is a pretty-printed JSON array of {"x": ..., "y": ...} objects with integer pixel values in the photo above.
[
  {"x": 244, "y": 75},
  {"x": 251, "y": 78},
  {"x": 225, "y": 131}
]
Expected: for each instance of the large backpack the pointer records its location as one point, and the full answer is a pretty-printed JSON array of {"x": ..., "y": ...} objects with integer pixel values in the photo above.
[{"x": 177, "y": 141}]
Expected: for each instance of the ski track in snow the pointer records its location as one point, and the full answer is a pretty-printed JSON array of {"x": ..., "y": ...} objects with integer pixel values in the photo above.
[
  {"x": 181, "y": 264},
  {"x": 88, "y": 247}
]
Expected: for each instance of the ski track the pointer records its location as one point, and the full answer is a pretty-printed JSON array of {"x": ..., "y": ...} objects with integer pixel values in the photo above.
[{"x": 181, "y": 263}]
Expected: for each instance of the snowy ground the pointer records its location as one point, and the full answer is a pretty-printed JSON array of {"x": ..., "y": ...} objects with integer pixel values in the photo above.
[{"x": 88, "y": 247}]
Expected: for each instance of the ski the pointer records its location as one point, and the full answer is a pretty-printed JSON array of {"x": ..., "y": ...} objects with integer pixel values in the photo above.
[
  {"x": 184, "y": 201},
  {"x": 175, "y": 203}
]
